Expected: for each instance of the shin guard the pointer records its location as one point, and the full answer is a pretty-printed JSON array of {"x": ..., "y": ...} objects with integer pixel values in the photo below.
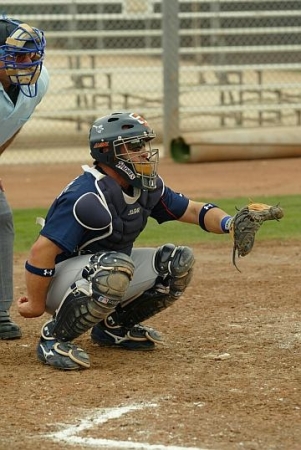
[
  {"x": 150, "y": 303},
  {"x": 174, "y": 265},
  {"x": 86, "y": 304},
  {"x": 77, "y": 313}
]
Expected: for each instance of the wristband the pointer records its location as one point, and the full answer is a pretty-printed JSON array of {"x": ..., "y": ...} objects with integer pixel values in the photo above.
[
  {"x": 203, "y": 212},
  {"x": 225, "y": 224},
  {"x": 37, "y": 271}
]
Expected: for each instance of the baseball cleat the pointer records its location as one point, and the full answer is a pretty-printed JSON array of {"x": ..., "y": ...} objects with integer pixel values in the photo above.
[
  {"x": 138, "y": 337},
  {"x": 62, "y": 355},
  {"x": 58, "y": 354}
]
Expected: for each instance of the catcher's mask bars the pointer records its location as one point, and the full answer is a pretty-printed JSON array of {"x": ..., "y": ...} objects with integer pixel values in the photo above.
[
  {"x": 22, "y": 55},
  {"x": 122, "y": 142},
  {"x": 140, "y": 157}
]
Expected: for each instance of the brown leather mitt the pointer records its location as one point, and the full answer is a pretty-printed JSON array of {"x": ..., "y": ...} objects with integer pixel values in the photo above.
[{"x": 246, "y": 223}]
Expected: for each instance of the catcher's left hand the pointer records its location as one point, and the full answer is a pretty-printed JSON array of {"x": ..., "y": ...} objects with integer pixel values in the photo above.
[{"x": 247, "y": 222}]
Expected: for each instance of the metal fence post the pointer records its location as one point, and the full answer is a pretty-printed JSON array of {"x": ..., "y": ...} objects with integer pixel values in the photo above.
[{"x": 170, "y": 9}]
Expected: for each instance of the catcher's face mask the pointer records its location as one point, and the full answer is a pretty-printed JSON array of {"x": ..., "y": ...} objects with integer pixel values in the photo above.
[
  {"x": 136, "y": 158},
  {"x": 22, "y": 56}
]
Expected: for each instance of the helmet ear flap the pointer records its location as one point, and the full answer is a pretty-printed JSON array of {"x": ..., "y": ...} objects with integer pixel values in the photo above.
[
  {"x": 108, "y": 156},
  {"x": 101, "y": 151}
]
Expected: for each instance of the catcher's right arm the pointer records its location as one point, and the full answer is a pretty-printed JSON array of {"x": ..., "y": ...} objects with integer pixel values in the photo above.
[{"x": 246, "y": 223}]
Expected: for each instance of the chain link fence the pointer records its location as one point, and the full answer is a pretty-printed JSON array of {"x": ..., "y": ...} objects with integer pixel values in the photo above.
[{"x": 206, "y": 66}]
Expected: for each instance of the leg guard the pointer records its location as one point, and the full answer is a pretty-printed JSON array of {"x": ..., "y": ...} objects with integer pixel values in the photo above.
[
  {"x": 174, "y": 265},
  {"x": 149, "y": 304},
  {"x": 86, "y": 304}
]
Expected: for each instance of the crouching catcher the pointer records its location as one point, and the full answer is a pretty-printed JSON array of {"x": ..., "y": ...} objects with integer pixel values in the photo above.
[{"x": 84, "y": 269}]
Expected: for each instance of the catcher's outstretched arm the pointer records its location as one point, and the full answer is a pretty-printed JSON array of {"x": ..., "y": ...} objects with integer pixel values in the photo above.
[{"x": 208, "y": 216}]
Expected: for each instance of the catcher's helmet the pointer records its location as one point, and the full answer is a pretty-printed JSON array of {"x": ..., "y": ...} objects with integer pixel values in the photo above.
[
  {"x": 122, "y": 142},
  {"x": 16, "y": 41}
]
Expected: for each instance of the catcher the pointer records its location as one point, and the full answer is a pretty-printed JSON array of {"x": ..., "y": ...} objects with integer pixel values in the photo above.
[{"x": 84, "y": 269}]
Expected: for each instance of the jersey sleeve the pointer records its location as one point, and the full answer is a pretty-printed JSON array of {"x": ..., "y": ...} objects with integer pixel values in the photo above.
[
  {"x": 171, "y": 206},
  {"x": 61, "y": 227}
]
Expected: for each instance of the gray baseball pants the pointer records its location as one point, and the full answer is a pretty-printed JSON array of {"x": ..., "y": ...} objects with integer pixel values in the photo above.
[
  {"x": 70, "y": 271},
  {"x": 6, "y": 254}
]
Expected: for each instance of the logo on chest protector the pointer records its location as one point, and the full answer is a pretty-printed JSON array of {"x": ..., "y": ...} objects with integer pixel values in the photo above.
[
  {"x": 133, "y": 211},
  {"x": 120, "y": 165}
]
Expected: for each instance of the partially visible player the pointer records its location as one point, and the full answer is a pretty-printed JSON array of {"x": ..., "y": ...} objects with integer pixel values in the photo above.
[{"x": 23, "y": 83}]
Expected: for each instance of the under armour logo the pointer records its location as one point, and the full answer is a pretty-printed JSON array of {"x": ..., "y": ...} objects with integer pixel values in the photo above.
[
  {"x": 48, "y": 272},
  {"x": 208, "y": 206}
]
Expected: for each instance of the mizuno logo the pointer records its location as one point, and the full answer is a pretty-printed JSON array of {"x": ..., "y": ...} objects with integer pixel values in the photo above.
[{"x": 45, "y": 353}]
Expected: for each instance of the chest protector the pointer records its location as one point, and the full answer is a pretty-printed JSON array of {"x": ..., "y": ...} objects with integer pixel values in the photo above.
[{"x": 129, "y": 215}]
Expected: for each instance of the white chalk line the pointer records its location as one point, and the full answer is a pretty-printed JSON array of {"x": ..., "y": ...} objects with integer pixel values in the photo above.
[{"x": 101, "y": 416}]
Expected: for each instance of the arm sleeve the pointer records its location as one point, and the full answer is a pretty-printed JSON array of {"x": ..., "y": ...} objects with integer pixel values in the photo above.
[{"x": 171, "y": 206}]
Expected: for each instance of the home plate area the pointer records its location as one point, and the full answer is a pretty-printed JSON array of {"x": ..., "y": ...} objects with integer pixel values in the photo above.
[{"x": 73, "y": 434}]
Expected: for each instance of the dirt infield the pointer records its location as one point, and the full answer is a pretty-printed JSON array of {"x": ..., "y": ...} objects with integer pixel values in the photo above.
[{"x": 228, "y": 376}]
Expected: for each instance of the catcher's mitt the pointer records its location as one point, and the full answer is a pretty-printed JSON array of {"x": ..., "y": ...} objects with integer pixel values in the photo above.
[{"x": 247, "y": 222}]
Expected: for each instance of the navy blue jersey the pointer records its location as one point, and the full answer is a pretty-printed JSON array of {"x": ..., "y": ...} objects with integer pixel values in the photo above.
[{"x": 128, "y": 214}]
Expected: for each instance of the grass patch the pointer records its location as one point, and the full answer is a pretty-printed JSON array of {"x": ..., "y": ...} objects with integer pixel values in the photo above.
[
  {"x": 179, "y": 233},
  {"x": 26, "y": 229}
]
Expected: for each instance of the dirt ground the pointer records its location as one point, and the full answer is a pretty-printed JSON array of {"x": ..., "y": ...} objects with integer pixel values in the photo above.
[{"x": 229, "y": 374}]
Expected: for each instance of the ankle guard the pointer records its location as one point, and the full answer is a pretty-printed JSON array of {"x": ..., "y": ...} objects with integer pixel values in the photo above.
[{"x": 83, "y": 306}]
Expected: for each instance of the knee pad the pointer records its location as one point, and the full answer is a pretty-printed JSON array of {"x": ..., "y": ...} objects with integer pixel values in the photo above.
[
  {"x": 174, "y": 265},
  {"x": 110, "y": 274},
  {"x": 174, "y": 261}
]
